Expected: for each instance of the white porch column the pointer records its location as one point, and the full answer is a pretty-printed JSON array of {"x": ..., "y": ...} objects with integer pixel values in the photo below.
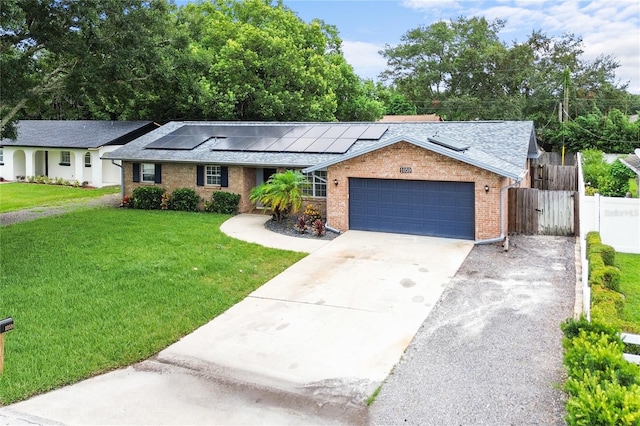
[
  {"x": 78, "y": 163},
  {"x": 96, "y": 169},
  {"x": 30, "y": 165}
]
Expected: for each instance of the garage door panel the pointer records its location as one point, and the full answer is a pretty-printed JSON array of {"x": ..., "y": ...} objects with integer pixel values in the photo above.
[{"x": 444, "y": 209}]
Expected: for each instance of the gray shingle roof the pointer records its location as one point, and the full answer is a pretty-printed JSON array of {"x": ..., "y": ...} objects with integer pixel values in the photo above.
[
  {"x": 76, "y": 133},
  {"x": 632, "y": 161},
  {"x": 498, "y": 146}
]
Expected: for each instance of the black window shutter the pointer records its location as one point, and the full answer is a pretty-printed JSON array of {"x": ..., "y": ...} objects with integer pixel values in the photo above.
[
  {"x": 200, "y": 175},
  {"x": 136, "y": 172},
  {"x": 224, "y": 176},
  {"x": 158, "y": 176}
]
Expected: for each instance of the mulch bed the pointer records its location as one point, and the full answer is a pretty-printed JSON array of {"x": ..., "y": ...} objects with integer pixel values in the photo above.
[{"x": 286, "y": 227}]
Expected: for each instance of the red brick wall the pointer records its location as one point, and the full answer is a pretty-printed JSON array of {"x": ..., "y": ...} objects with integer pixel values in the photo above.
[
  {"x": 182, "y": 175},
  {"x": 385, "y": 163}
]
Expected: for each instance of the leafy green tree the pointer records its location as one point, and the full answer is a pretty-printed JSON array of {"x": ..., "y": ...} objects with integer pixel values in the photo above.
[
  {"x": 98, "y": 59},
  {"x": 461, "y": 70},
  {"x": 254, "y": 60},
  {"x": 612, "y": 133},
  {"x": 282, "y": 193}
]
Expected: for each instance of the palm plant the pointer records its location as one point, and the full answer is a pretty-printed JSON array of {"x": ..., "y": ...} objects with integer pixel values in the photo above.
[{"x": 282, "y": 193}]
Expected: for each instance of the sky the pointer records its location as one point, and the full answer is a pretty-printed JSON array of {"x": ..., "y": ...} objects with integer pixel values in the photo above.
[{"x": 607, "y": 27}]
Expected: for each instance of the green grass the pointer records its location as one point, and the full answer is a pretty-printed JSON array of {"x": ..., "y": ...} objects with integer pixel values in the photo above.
[
  {"x": 94, "y": 290},
  {"x": 629, "y": 265},
  {"x": 633, "y": 187},
  {"x": 19, "y": 196}
]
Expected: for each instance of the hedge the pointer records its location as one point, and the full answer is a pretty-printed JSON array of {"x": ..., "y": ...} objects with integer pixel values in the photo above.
[{"x": 603, "y": 388}]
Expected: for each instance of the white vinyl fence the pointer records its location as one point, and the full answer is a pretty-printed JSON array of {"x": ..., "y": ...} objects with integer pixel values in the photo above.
[{"x": 617, "y": 219}]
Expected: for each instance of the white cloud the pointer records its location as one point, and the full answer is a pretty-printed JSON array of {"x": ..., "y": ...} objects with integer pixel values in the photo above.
[{"x": 364, "y": 58}]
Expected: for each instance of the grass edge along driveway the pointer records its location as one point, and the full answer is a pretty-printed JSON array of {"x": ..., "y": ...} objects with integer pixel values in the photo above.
[{"x": 95, "y": 290}]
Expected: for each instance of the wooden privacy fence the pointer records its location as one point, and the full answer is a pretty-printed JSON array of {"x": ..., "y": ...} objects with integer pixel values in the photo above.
[
  {"x": 536, "y": 212},
  {"x": 554, "y": 178}
]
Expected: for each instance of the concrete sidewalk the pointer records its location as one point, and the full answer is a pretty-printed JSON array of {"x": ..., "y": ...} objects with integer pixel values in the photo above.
[
  {"x": 250, "y": 228},
  {"x": 308, "y": 347}
]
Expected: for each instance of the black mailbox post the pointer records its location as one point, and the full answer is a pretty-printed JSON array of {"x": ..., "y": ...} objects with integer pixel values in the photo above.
[{"x": 5, "y": 325}]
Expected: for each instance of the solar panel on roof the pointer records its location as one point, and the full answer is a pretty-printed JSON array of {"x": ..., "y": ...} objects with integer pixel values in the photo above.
[
  {"x": 341, "y": 145},
  {"x": 320, "y": 145},
  {"x": 310, "y": 138},
  {"x": 297, "y": 131},
  {"x": 373, "y": 132},
  {"x": 179, "y": 142},
  {"x": 354, "y": 132},
  {"x": 282, "y": 145},
  {"x": 261, "y": 144},
  {"x": 334, "y": 132},
  {"x": 449, "y": 143}
]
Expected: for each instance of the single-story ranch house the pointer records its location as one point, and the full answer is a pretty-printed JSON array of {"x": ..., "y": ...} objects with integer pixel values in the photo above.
[
  {"x": 446, "y": 179},
  {"x": 68, "y": 149}
]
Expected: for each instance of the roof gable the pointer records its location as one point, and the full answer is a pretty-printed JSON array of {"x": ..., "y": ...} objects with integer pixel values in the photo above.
[{"x": 499, "y": 147}]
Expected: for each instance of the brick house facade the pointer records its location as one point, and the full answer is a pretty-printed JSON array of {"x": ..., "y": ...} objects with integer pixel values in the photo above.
[{"x": 483, "y": 158}]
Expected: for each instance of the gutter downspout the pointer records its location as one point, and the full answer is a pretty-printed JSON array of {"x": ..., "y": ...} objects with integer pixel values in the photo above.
[
  {"x": 502, "y": 236},
  {"x": 121, "y": 178},
  {"x": 334, "y": 230}
]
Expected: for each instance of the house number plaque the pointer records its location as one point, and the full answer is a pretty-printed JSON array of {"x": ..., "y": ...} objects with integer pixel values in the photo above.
[{"x": 405, "y": 170}]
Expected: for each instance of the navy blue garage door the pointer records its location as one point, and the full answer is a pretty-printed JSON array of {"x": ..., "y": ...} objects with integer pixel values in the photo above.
[{"x": 439, "y": 209}]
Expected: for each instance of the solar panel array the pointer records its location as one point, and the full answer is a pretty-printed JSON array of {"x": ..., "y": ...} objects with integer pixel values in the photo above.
[{"x": 311, "y": 138}]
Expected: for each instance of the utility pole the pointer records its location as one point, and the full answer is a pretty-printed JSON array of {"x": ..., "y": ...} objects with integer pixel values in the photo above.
[{"x": 565, "y": 108}]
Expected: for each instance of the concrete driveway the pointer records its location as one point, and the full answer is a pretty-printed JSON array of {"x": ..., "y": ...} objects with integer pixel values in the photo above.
[
  {"x": 309, "y": 346},
  {"x": 333, "y": 325}
]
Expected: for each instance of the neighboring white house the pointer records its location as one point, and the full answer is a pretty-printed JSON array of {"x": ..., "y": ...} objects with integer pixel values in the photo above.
[{"x": 68, "y": 149}]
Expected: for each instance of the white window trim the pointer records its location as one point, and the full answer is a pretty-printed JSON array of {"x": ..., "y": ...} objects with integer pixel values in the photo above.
[
  {"x": 152, "y": 166},
  {"x": 64, "y": 154},
  {"x": 1, "y": 155},
  {"x": 315, "y": 183},
  {"x": 87, "y": 163},
  {"x": 217, "y": 176}
]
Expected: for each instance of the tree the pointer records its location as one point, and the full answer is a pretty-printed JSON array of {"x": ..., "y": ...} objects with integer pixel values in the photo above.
[
  {"x": 461, "y": 70},
  {"x": 254, "y": 60},
  {"x": 611, "y": 133},
  {"x": 282, "y": 193},
  {"x": 70, "y": 59}
]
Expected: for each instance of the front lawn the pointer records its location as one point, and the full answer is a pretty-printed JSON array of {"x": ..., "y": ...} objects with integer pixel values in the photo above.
[
  {"x": 18, "y": 196},
  {"x": 94, "y": 290},
  {"x": 629, "y": 265}
]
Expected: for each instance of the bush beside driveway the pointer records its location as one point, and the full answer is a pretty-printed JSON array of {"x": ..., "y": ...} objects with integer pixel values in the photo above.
[{"x": 491, "y": 350}]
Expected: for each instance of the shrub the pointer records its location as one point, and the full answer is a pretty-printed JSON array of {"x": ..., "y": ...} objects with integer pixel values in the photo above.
[
  {"x": 318, "y": 228},
  {"x": 223, "y": 202},
  {"x": 572, "y": 327},
  {"x": 184, "y": 199},
  {"x": 608, "y": 254},
  {"x": 166, "y": 200},
  {"x": 312, "y": 214},
  {"x": 606, "y": 276},
  {"x": 601, "y": 295},
  {"x": 603, "y": 387},
  {"x": 593, "y": 237},
  {"x": 301, "y": 224},
  {"x": 595, "y": 262},
  {"x": 126, "y": 202},
  {"x": 147, "y": 197},
  {"x": 597, "y": 402}
]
